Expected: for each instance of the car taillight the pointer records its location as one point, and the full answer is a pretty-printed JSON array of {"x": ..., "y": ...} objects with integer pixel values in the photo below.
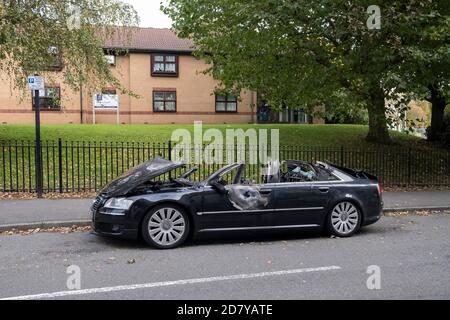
[{"x": 379, "y": 188}]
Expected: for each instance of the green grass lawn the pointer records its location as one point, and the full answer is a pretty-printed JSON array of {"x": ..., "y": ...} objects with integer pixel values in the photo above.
[
  {"x": 90, "y": 158},
  {"x": 304, "y": 135}
]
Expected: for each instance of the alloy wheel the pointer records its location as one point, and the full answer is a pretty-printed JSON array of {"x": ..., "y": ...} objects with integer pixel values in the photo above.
[
  {"x": 166, "y": 226},
  {"x": 344, "y": 218}
]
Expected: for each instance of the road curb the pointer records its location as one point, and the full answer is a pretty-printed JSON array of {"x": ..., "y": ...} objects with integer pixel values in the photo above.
[
  {"x": 44, "y": 225},
  {"x": 412, "y": 209}
]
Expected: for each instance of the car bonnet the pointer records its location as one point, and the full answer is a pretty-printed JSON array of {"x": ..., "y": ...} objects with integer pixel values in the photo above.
[{"x": 139, "y": 175}]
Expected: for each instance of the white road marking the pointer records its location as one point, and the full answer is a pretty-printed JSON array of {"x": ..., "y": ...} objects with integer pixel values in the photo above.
[{"x": 169, "y": 283}]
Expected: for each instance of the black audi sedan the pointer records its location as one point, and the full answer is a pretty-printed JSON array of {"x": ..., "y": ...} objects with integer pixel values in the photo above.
[{"x": 293, "y": 195}]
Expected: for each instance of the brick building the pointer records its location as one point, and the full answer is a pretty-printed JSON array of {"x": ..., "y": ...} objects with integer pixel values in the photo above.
[{"x": 161, "y": 69}]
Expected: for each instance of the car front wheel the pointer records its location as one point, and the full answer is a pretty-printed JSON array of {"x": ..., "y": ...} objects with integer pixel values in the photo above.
[
  {"x": 165, "y": 227},
  {"x": 344, "y": 220}
]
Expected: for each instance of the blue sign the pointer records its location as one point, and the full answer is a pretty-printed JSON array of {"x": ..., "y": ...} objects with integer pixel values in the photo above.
[{"x": 36, "y": 83}]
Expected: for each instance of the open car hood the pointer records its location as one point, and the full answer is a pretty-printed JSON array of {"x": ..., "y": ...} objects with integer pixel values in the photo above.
[{"x": 139, "y": 175}]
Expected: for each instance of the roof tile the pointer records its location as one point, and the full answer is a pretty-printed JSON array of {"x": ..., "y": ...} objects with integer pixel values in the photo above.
[{"x": 151, "y": 39}]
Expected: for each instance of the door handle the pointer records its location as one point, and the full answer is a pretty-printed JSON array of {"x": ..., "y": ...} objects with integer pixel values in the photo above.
[
  {"x": 265, "y": 191},
  {"x": 324, "y": 189}
]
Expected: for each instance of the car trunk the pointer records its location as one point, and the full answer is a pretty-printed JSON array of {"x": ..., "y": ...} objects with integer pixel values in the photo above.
[{"x": 359, "y": 174}]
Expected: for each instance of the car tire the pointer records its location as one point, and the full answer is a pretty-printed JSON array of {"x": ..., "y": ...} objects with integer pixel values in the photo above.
[
  {"x": 344, "y": 220},
  {"x": 165, "y": 227}
]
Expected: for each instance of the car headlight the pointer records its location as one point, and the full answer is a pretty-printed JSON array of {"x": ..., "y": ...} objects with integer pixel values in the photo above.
[{"x": 118, "y": 203}]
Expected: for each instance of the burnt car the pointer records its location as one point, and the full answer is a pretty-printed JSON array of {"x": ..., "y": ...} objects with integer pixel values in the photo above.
[{"x": 163, "y": 208}]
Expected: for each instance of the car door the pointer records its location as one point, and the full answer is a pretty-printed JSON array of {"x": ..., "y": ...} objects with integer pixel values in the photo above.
[
  {"x": 323, "y": 194},
  {"x": 296, "y": 204},
  {"x": 324, "y": 191},
  {"x": 219, "y": 213}
]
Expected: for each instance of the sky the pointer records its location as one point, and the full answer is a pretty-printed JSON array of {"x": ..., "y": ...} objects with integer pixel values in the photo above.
[{"x": 150, "y": 14}]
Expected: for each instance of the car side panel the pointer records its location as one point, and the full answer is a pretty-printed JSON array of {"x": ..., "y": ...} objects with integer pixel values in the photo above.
[
  {"x": 219, "y": 213},
  {"x": 363, "y": 194},
  {"x": 189, "y": 199},
  {"x": 294, "y": 205}
]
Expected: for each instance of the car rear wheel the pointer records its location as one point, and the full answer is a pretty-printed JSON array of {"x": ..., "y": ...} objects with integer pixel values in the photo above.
[
  {"x": 344, "y": 220},
  {"x": 165, "y": 227}
]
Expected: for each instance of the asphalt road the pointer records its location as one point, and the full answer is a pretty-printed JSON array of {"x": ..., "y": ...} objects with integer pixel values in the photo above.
[{"x": 413, "y": 254}]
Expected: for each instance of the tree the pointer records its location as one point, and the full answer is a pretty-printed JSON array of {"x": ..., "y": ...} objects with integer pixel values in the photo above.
[
  {"x": 37, "y": 35},
  {"x": 307, "y": 53},
  {"x": 427, "y": 62},
  {"x": 245, "y": 45},
  {"x": 439, "y": 101},
  {"x": 433, "y": 60}
]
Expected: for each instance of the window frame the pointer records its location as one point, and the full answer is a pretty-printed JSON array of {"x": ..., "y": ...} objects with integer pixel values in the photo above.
[
  {"x": 164, "y": 73},
  {"x": 165, "y": 92},
  {"x": 109, "y": 91},
  {"x": 57, "y": 64},
  {"x": 46, "y": 97},
  {"x": 113, "y": 64},
  {"x": 226, "y": 101}
]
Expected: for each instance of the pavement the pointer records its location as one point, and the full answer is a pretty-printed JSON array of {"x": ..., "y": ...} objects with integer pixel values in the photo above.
[
  {"x": 416, "y": 200},
  {"x": 23, "y": 214},
  {"x": 27, "y": 214},
  {"x": 402, "y": 257}
]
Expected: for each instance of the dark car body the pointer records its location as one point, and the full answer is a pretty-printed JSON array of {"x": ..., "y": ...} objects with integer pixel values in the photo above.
[{"x": 292, "y": 200}]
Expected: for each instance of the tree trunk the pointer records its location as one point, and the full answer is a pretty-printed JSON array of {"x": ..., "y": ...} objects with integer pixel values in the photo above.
[
  {"x": 378, "y": 130},
  {"x": 437, "y": 114}
]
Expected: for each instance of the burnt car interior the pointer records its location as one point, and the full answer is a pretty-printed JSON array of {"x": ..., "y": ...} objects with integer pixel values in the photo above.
[
  {"x": 230, "y": 177},
  {"x": 296, "y": 171},
  {"x": 242, "y": 193}
]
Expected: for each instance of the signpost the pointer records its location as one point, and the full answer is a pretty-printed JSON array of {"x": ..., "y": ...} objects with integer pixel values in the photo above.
[
  {"x": 36, "y": 84},
  {"x": 106, "y": 102}
]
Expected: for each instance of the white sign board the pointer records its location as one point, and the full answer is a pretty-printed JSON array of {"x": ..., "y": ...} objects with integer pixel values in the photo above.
[
  {"x": 36, "y": 83},
  {"x": 106, "y": 101}
]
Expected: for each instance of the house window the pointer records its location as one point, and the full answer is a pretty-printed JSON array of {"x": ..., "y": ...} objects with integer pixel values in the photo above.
[
  {"x": 109, "y": 91},
  {"x": 287, "y": 115},
  {"x": 110, "y": 59},
  {"x": 164, "y": 101},
  {"x": 164, "y": 65},
  {"x": 56, "y": 59},
  {"x": 226, "y": 103},
  {"x": 284, "y": 115},
  {"x": 49, "y": 99},
  {"x": 300, "y": 117}
]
